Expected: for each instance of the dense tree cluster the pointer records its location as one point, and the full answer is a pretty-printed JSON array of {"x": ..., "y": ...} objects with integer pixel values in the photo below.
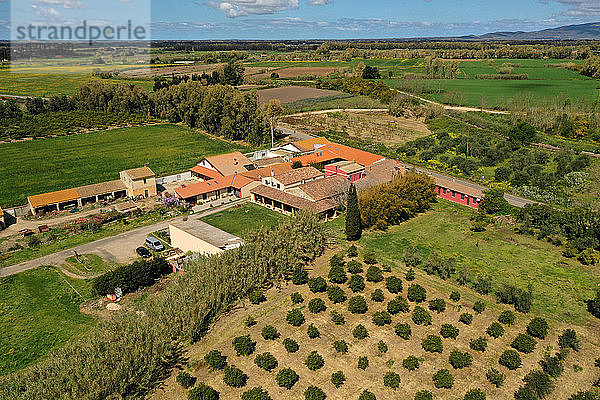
[
  {"x": 398, "y": 201},
  {"x": 359, "y": 86}
]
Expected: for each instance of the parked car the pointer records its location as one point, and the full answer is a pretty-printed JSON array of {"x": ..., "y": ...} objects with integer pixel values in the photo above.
[
  {"x": 143, "y": 252},
  {"x": 154, "y": 244}
]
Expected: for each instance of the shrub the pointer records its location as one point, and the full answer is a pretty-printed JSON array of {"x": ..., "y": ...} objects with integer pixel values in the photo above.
[
  {"x": 356, "y": 283},
  {"x": 479, "y": 344},
  {"x": 397, "y": 305},
  {"x": 411, "y": 363},
  {"x": 335, "y": 294},
  {"x": 523, "y": 343},
  {"x": 352, "y": 251},
  {"x": 337, "y": 318},
  {"x": 421, "y": 316},
  {"x": 521, "y": 299},
  {"x": 410, "y": 275},
  {"x": 374, "y": 274},
  {"x": 381, "y": 318},
  {"x": 525, "y": 393},
  {"x": 355, "y": 267},
  {"x": 507, "y": 318},
  {"x": 587, "y": 395},
  {"x": 363, "y": 362},
  {"x": 317, "y": 285},
  {"x": 416, "y": 293},
  {"x": 391, "y": 380},
  {"x": 569, "y": 340},
  {"x": 403, "y": 330},
  {"x": 479, "y": 307},
  {"x": 337, "y": 274},
  {"x": 432, "y": 344},
  {"x": 243, "y": 345},
  {"x": 495, "y": 377},
  {"x": 340, "y": 346},
  {"x": 443, "y": 379},
  {"x": 295, "y": 317},
  {"x": 377, "y": 296},
  {"x": 455, "y": 296},
  {"x": 215, "y": 360},
  {"x": 248, "y": 322},
  {"x": 510, "y": 359},
  {"x": 553, "y": 365},
  {"x": 234, "y": 376},
  {"x": 437, "y": 305},
  {"x": 423, "y": 395},
  {"x": 495, "y": 330},
  {"x": 296, "y": 298},
  {"x": 269, "y": 332},
  {"x": 369, "y": 258},
  {"x": 366, "y": 395},
  {"x": 382, "y": 347},
  {"x": 357, "y": 305},
  {"x": 538, "y": 328},
  {"x": 539, "y": 382},
  {"x": 203, "y": 392},
  {"x": 338, "y": 378},
  {"x": 393, "y": 284},
  {"x": 337, "y": 260},
  {"x": 300, "y": 276},
  {"x": 185, "y": 380},
  {"x": 597, "y": 363},
  {"x": 466, "y": 318},
  {"x": 460, "y": 359},
  {"x": 316, "y": 306},
  {"x": 449, "y": 331},
  {"x": 256, "y": 393},
  {"x": 482, "y": 284},
  {"x": 290, "y": 345},
  {"x": 256, "y": 296},
  {"x": 130, "y": 277},
  {"x": 360, "y": 332},
  {"x": 313, "y": 332},
  {"x": 286, "y": 378},
  {"x": 314, "y": 361},
  {"x": 266, "y": 361},
  {"x": 475, "y": 394},
  {"x": 314, "y": 393}
]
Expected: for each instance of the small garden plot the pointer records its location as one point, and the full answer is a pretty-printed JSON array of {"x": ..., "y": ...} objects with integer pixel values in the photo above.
[
  {"x": 344, "y": 332},
  {"x": 289, "y": 94}
]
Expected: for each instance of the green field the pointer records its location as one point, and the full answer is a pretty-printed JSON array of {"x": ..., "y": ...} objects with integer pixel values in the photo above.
[
  {"x": 44, "y": 165},
  {"x": 46, "y": 84},
  {"x": 243, "y": 219},
  {"x": 560, "y": 285},
  {"x": 38, "y": 311}
]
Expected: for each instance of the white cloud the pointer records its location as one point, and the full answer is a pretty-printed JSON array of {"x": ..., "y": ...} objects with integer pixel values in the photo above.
[
  {"x": 68, "y": 4},
  {"x": 579, "y": 8},
  {"x": 48, "y": 14},
  {"x": 319, "y": 2},
  {"x": 239, "y": 8}
]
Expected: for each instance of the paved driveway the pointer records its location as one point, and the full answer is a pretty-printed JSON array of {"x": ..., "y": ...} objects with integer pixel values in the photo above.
[{"x": 119, "y": 248}]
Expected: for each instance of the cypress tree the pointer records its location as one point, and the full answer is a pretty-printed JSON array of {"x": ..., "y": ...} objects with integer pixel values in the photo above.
[{"x": 353, "y": 222}]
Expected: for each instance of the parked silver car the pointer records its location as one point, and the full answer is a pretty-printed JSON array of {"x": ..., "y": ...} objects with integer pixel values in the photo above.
[{"x": 154, "y": 244}]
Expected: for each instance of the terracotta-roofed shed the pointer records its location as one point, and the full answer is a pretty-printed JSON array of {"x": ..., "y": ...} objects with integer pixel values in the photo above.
[
  {"x": 228, "y": 164},
  {"x": 53, "y": 201},
  {"x": 334, "y": 187},
  {"x": 289, "y": 204}
]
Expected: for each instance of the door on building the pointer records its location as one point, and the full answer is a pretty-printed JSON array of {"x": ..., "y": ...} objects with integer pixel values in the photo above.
[{"x": 146, "y": 193}]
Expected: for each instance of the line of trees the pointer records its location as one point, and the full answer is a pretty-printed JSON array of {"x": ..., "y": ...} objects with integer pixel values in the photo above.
[
  {"x": 230, "y": 74},
  {"x": 127, "y": 355},
  {"x": 359, "y": 86}
]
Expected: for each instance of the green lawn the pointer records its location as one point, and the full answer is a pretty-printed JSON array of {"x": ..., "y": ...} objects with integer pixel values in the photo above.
[
  {"x": 38, "y": 311},
  {"x": 243, "y": 219},
  {"x": 49, "y": 164},
  {"x": 87, "y": 265},
  {"x": 560, "y": 285}
]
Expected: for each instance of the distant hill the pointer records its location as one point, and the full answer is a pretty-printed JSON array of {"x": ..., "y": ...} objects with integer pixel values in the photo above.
[{"x": 589, "y": 31}]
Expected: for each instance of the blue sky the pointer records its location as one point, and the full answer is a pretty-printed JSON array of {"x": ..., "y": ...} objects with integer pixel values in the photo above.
[{"x": 306, "y": 19}]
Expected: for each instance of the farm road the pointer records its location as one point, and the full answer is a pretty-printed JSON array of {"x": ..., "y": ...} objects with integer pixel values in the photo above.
[{"x": 119, "y": 248}]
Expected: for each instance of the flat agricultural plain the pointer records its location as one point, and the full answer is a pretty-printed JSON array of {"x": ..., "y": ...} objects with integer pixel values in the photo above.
[
  {"x": 39, "y": 166},
  {"x": 289, "y": 94}
]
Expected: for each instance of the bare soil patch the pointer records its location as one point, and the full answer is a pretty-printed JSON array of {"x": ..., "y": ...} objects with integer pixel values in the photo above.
[
  {"x": 181, "y": 70},
  {"x": 379, "y": 127},
  {"x": 290, "y": 94}
]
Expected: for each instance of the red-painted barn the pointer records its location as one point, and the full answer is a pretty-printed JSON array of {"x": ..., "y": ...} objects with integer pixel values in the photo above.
[{"x": 458, "y": 192}]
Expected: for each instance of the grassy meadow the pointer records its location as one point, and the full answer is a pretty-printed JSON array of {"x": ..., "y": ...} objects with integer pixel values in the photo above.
[
  {"x": 39, "y": 310},
  {"x": 39, "y": 166},
  {"x": 242, "y": 219},
  {"x": 560, "y": 285}
]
